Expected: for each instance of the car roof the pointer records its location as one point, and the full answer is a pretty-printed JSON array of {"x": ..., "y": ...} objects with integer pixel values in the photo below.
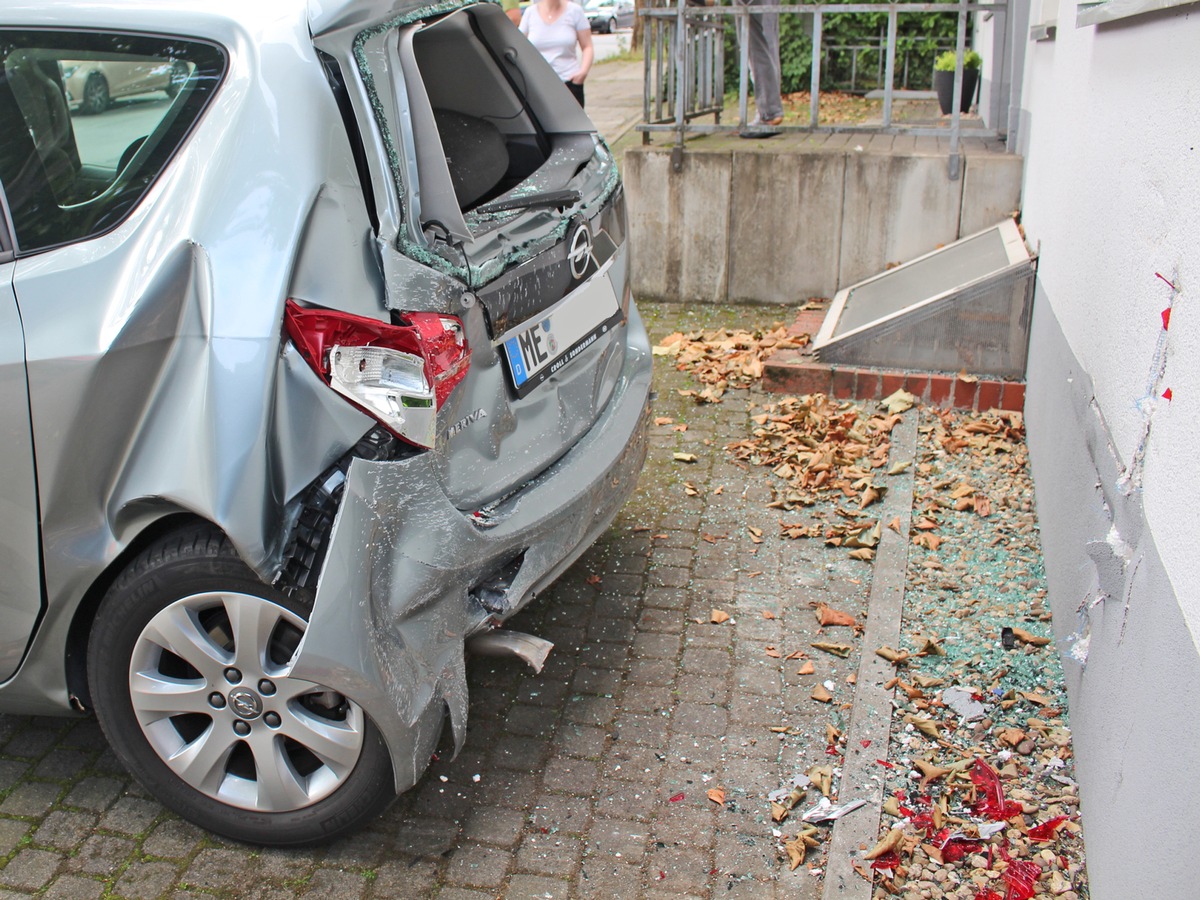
[{"x": 193, "y": 15}]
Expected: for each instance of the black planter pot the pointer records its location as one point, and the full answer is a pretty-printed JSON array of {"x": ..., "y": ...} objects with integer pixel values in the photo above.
[{"x": 943, "y": 83}]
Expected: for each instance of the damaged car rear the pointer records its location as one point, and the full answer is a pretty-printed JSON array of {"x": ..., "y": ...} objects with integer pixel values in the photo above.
[{"x": 314, "y": 370}]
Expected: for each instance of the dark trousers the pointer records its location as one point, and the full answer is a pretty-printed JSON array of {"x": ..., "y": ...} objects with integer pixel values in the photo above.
[{"x": 576, "y": 91}]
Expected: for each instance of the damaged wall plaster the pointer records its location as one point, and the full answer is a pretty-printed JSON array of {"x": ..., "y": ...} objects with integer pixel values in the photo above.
[{"x": 1114, "y": 259}]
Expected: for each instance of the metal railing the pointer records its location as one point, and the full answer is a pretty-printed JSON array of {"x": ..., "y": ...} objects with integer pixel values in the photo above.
[{"x": 684, "y": 51}]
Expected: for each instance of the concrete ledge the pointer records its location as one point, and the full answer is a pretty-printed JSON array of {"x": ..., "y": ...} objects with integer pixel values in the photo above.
[{"x": 782, "y": 222}]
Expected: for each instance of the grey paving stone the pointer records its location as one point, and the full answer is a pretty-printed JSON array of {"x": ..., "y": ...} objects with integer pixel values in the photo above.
[
  {"x": 286, "y": 865},
  {"x": 666, "y": 598},
  {"x": 30, "y": 870},
  {"x": 669, "y": 576},
  {"x": 519, "y": 753},
  {"x": 618, "y": 838},
  {"x": 560, "y": 813},
  {"x": 632, "y": 800},
  {"x": 172, "y": 838},
  {"x": 11, "y": 772},
  {"x": 537, "y": 887},
  {"x": 704, "y": 661},
  {"x": 478, "y": 866},
  {"x": 12, "y": 832},
  {"x": 75, "y": 887},
  {"x": 405, "y": 878},
  {"x": 425, "y": 836},
  {"x": 678, "y": 868},
  {"x": 65, "y": 829},
  {"x": 652, "y": 619},
  {"x": 96, "y": 794},
  {"x": 571, "y": 776},
  {"x": 31, "y": 798},
  {"x": 589, "y": 710},
  {"x": 549, "y": 854},
  {"x": 131, "y": 815},
  {"x": 455, "y": 893},
  {"x": 700, "y": 719},
  {"x": 587, "y": 741},
  {"x": 144, "y": 880},
  {"x": 655, "y": 645},
  {"x": 31, "y": 742},
  {"x": 62, "y": 763},
  {"x": 218, "y": 869},
  {"x": 606, "y": 879},
  {"x": 529, "y": 720},
  {"x": 494, "y": 825},
  {"x": 335, "y": 884}
]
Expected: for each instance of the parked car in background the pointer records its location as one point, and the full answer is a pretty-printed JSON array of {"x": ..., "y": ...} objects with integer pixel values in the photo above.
[
  {"x": 92, "y": 85},
  {"x": 311, "y": 375},
  {"x": 606, "y": 16}
]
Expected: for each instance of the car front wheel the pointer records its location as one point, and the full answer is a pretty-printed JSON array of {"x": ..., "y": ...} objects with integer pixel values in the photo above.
[
  {"x": 95, "y": 95},
  {"x": 189, "y": 664},
  {"x": 612, "y": 26}
]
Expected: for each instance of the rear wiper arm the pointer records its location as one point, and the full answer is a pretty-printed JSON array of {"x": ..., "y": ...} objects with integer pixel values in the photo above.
[{"x": 544, "y": 200}]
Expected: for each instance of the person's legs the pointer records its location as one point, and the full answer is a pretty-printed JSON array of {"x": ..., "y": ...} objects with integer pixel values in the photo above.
[
  {"x": 576, "y": 90},
  {"x": 763, "y": 37}
]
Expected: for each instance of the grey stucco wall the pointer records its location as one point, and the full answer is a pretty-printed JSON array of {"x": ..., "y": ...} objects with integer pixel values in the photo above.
[{"x": 1133, "y": 704}]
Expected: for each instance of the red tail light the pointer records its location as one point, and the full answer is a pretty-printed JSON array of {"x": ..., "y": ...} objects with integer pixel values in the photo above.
[{"x": 399, "y": 374}]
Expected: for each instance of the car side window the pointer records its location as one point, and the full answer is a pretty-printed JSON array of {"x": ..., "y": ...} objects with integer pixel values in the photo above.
[{"x": 88, "y": 122}]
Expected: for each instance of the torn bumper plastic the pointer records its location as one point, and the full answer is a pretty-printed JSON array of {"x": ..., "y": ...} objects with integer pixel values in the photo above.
[{"x": 394, "y": 603}]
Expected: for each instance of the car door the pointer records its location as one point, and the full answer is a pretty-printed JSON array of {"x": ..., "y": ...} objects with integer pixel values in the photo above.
[{"x": 20, "y": 588}]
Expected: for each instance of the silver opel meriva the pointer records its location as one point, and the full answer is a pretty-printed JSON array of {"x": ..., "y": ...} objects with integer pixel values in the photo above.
[{"x": 318, "y": 361}]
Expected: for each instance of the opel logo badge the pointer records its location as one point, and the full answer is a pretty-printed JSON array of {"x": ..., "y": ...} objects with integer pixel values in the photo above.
[
  {"x": 245, "y": 703},
  {"x": 580, "y": 254}
]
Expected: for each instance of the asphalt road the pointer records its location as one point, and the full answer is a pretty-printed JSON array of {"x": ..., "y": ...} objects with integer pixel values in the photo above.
[{"x": 103, "y": 138}]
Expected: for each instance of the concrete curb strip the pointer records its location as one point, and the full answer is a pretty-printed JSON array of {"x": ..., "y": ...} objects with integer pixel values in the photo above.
[{"x": 872, "y": 715}]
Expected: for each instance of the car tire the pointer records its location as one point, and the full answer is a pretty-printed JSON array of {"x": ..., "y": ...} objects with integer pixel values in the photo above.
[
  {"x": 612, "y": 26},
  {"x": 95, "y": 95},
  {"x": 188, "y": 665}
]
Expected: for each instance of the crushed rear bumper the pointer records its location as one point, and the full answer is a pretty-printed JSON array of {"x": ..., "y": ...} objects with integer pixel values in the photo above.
[{"x": 394, "y": 603}]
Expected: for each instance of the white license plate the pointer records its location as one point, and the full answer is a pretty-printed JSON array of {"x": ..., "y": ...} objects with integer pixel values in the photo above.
[{"x": 539, "y": 348}]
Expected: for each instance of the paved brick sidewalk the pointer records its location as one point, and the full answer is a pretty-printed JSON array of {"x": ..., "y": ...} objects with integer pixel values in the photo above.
[{"x": 592, "y": 777}]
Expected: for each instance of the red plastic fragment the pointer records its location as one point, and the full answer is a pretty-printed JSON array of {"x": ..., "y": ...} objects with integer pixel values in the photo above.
[
  {"x": 1046, "y": 831},
  {"x": 865, "y": 744},
  {"x": 1166, "y": 318},
  {"x": 958, "y": 849},
  {"x": 677, "y": 797},
  {"x": 1021, "y": 877},
  {"x": 924, "y": 820},
  {"x": 1167, "y": 395},
  {"x": 886, "y": 764},
  {"x": 987, "y": 894},
  {"x": 992, "y": 804},
  {"x": 886, "y": 861}
]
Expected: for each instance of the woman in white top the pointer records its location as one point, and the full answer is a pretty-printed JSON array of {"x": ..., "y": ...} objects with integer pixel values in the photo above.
[{"x": 555, "y": 27}]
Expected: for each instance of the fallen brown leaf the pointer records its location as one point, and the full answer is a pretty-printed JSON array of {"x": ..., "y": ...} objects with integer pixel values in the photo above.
[
  {"x": 1028, "y": 637},
  {"x": 829, "y": 616},
  {"x": 718, "y": 617},
  {"x": 842, "y": 650},
  {"x": 889, "y": 843}
]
